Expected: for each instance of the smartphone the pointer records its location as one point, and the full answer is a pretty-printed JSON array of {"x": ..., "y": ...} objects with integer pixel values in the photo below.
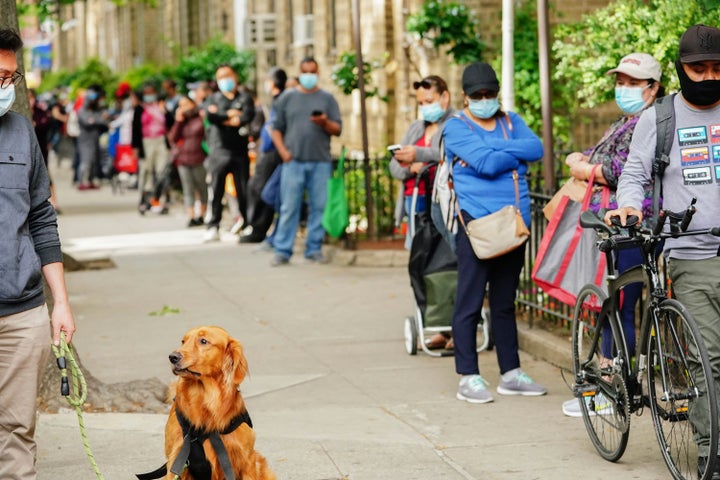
[
  {"x": 394, "y": 148},
  {"x": 316, "y": 113}
]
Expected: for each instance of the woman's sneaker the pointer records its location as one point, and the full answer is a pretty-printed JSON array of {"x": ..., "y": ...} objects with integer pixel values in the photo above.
[
  {"x": 600, "y": 405},
  {"x": 521, "y": 384},
  {"x": 473, "y": 389}
]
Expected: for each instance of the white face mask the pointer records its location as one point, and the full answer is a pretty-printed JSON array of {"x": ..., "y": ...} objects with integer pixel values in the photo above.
[{"x": 7, "y": 98}]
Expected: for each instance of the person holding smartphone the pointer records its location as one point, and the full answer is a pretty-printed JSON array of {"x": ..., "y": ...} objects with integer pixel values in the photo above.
[
  {"x": 420, "y": 144},
  {"x": 307, "y": 117}
]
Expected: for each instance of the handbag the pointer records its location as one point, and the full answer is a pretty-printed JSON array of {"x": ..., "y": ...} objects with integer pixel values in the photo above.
[
  {"x": 498, "y": 233},
  {"x": 336, "y": 215},
  {"x": 568, "y": 257},
  {"x": 573, "y": 188},
  {"x": 443, "y": 194}
]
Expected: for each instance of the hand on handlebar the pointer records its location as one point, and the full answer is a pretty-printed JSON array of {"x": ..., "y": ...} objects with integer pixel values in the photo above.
[{"x": 623, "y": 213}]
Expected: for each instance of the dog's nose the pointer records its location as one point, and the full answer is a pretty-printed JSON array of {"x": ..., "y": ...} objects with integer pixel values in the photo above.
[{"x": 175, "y": 357}]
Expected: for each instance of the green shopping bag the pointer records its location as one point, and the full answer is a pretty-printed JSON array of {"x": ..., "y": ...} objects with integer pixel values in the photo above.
[{"x": 336, "y": 216}]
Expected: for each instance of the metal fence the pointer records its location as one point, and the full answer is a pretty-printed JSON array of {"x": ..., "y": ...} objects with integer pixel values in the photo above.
[{"x": 532, "y": 301}]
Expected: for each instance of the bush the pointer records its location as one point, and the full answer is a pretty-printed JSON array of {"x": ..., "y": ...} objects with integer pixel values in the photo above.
[{"x": 201, "y": 63}]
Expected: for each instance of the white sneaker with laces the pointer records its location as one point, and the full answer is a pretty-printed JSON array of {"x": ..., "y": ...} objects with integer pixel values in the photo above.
[{"x": 473, "y": 389}]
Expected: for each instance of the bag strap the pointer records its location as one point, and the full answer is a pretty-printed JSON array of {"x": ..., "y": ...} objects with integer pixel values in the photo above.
[
  {"x": 665, "y": 128},
  {"x": 340, "y": 170}
]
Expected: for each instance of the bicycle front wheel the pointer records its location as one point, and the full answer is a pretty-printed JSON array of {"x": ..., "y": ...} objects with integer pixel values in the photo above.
[
  {"x": 600, "y": 379},
  {"x": 682, "y": 394}
]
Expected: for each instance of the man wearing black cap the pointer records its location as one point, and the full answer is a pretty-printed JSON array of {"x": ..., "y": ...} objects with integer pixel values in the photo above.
[{"x": 693, "y": 171}]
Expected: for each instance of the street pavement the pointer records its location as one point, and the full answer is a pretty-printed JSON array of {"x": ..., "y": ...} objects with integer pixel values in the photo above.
[{"x": 332, "y": 392}]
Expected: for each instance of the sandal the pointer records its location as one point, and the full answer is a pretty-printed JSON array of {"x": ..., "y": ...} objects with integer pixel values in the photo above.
[{"x": 436, "y": 341}]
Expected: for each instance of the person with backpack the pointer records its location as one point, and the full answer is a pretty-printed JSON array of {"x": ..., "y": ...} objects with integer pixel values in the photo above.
[
  {"x": 637, "y": 86},
  {"x": 693, "y": 171}
]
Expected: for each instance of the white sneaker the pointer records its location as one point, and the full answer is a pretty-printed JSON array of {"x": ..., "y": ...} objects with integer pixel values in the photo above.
[
  {"x": 237, "y": 226},
  {"x": 602, "y": 406},
  {"x": 212, "y": 235}
]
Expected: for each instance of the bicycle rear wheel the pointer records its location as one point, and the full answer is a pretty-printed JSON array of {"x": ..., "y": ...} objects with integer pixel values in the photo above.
[
  {"x": 680, "y": 384},
  {"x": 599, "y": 381}
]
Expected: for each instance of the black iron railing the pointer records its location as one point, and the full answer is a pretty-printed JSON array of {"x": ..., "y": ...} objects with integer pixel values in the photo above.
[{"x": 531, "y": 300}]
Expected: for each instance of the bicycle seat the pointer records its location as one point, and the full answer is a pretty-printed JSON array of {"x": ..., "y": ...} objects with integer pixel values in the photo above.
[{"x": 590, "y": 219}]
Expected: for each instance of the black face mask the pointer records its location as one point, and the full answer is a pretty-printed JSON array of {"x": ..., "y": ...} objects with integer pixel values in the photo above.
[{"x": 704, "y": 93}]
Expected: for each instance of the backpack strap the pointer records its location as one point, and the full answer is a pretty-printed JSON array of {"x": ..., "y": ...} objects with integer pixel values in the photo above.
[{"x": 665, "y": 133}]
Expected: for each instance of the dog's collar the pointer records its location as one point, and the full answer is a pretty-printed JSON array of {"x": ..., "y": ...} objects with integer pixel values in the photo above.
[{"x": 192, "y": 454}]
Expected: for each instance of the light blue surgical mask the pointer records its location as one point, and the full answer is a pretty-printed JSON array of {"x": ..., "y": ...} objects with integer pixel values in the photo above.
[
  {"x": 630, "y": 99},
  {"x": 149, "y": 98},
  {"x": 7, "y": 98},
  {"x": 484, "y": 108},
  {"x": 308, "y": 80},
  {"x": 432, "y": 112},
  {"x": 226, "y": 85}
]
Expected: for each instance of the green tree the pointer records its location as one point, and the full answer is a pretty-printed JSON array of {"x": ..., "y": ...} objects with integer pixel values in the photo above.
[
  {"x": 450, "y": 24},
  {"x": 345, "y": 75},
  {"x": 586, "y": 50},
  {"x": 201, "y": 63}
]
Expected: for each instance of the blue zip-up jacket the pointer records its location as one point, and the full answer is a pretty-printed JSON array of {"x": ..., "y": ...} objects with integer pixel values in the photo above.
[
  {"x": 28, "y": 223},
  {"x": 485, "y": 184}
]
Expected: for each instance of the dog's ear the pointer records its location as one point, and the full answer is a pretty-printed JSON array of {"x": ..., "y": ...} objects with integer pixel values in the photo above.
[{"x": 234, "y": 364}]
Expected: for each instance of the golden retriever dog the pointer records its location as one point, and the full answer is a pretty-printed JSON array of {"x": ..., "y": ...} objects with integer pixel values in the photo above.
[{"x": 210, "y": 366}]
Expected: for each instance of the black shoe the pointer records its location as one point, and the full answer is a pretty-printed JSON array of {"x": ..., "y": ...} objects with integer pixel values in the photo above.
[
  {"x": 702, "y": 461},
  {"x": 195, "y": 222},
  {"x": 251, "y": 238}
]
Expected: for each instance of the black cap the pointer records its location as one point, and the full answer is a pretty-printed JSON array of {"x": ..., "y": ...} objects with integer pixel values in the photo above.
[
  {"x": 700, "y": 43},
  {"x": 479, "y": 76}
]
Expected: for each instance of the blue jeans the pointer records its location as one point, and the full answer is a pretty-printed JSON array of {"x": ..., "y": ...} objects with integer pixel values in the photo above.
[{"x": 297, "y": 178}]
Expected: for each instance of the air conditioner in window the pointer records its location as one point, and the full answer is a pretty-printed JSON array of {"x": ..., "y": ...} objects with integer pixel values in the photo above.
[
  {"x": 303, "y": 30},
  {"x": 261, "y": 30}
]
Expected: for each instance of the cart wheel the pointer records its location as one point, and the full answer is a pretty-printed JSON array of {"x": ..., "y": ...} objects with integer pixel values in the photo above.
[{"x": 411, "y": 336}]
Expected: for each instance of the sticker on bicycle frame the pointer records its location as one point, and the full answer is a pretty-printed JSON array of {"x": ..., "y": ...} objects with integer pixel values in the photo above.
[
  {"x": 692, "y": 136},
  {"x": 697, "y": 176},
  {"x": 694, "y": 156},
  {"x": 717, "y": 174},
  {"x": 716, "y": 153},
  {"x": 714, "y": 133}
]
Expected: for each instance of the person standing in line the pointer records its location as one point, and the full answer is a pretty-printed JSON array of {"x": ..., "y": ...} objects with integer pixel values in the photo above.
[
  {"x": 42, "y": 122},
  {"x": 93, "y": 119},
  {"x": 229, "y": 113},
  {"x": 187, "y": 135},
  {"x": 307, "y": 117},
  {"x": 487, "y": 146},
  {"x": 152, "y": 124},
  {"x": 421, "y": 144},
  {"x": 29, "y": 252},
  {"x": 693, "y": 262},
  {"x": 637, "y": 85},
  {"x": 261, "y": 214}
]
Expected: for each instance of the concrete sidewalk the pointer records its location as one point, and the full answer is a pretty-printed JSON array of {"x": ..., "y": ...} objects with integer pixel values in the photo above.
[{"x": 332, "y": 392}]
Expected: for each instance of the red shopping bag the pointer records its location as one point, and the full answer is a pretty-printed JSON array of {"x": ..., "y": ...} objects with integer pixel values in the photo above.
[
  {"x": 568, "y": 257},
  {"x": 125, "y": 159}
]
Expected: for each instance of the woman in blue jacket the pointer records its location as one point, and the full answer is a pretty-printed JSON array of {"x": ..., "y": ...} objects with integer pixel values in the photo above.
[{"x": 486, "y": 145}]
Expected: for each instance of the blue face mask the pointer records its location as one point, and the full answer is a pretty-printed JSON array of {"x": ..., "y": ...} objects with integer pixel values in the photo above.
[
  {"x": 91, "y": 96},
  {"x": 308, "y": 80},
  {"x": 7, "y": 98},
  {"x": 149, "y": 98},
  {"x": 432, "y": 113},
  {"x": 630, "y": 99},
  {"x": 484, "y": 108},
  {"x": 226, "y": 84}
]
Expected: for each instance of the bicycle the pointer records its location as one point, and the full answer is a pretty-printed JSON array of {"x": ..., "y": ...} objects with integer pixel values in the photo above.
[{"x": 671, "y": 373}]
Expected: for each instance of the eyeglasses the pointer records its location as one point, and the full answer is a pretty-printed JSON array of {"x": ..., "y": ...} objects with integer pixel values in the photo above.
[
  {"x": 12, "y": 80},
  {"x": 482, "y": 94}
]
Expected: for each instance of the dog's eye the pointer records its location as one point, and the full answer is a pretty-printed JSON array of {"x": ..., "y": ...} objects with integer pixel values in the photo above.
[{"x": 203, "y": 341}]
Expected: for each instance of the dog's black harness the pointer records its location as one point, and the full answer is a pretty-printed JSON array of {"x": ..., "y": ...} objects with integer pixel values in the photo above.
[{"x": 192, "y": 454}]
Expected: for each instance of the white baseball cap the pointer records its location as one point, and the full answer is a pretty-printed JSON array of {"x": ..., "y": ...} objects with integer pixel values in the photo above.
[{"x": 641, "y": 66}]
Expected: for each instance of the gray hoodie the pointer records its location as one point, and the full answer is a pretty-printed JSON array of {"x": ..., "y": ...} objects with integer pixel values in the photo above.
[{"x": 28, "y": 223}]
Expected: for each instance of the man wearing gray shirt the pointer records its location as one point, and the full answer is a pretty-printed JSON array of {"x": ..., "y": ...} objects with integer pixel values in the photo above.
[
  {"x": 307, "y": 117},
  {"x": 694, "y": 171}
]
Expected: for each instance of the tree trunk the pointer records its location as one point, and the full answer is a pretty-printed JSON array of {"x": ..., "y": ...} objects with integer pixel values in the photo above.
[{"x": 9, "y": 19}]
